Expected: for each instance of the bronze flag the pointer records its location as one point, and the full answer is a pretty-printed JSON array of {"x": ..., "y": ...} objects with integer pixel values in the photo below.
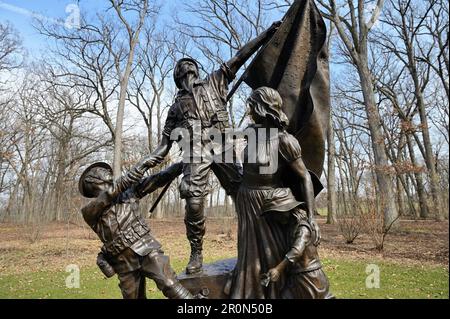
[{"x": 295, "y": 62}]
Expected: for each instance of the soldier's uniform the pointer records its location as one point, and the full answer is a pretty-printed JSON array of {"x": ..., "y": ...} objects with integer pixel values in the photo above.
[
  {"x": 206, "y": 107},
  {"x": 129, "y": 247}
]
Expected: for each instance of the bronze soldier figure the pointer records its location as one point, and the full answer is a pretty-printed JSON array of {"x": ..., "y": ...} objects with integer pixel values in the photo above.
[
  {"x": 203, "y": 103},
  {"x": 129, "y": 248}
]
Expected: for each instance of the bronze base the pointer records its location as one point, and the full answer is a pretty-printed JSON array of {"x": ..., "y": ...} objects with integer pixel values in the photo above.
[{"x": 211, "y": 281}]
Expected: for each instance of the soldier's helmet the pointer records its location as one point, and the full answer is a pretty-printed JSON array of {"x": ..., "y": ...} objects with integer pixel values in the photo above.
[
  {"x": 97, "y": 173},
  {"x": 178, "y": 73}
]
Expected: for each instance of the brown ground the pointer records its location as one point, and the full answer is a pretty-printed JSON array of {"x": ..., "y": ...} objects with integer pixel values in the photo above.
[
  {"x": 425, "y": 242},
  {"x": 58, "y": 244}
]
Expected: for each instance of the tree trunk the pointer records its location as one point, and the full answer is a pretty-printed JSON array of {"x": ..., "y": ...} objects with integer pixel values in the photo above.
[
  {"x": 418, "y": 92},
  {"x": 418, "y": 181},
  {"x": 59, "y": 183},
  {"x": 124, "y": 78},
  {"x": 117, "y": 162},
  {"x": 218, "y": 201},
  {"x": 331, "y": 176},
  {"x": 227, "y": 204},
  {"x": 150, "y": 133},
  {"x": 400, "y": 201},
  {"x": 158, "y": 120},
  {"x": 384, "y": 182},
  {"x": 429, "y": 160}
]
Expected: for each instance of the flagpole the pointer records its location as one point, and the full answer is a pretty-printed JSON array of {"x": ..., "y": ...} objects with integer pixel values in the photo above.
[
  {"x": 242, "y": 78},
  {"x": 236, "y": 86}
]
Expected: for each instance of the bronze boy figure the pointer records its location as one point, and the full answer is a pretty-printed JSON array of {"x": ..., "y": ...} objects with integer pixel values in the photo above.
[
  {"x": 301, "y": 264},
  {"x": 129, "y": 248},
  {"x": 203, "y": 103}
]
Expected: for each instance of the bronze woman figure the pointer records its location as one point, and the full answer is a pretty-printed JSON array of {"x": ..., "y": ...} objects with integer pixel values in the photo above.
[{"x": 267, "y": 204}]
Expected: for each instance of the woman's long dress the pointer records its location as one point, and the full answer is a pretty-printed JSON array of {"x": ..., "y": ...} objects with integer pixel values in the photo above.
[{"x": 262, "y": 244}]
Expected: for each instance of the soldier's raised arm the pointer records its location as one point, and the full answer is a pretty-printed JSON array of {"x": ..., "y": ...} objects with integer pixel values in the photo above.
[{"x": 251, "y": 47}]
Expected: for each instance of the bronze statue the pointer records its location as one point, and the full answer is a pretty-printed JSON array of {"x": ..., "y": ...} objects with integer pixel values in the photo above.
[
  {"x": 129, "y": 249},
  {"x": 277, "y": 234},
  {"x": 264, "y": 243},
  {"x": 203, "y": 103},
  {"x": 301, "y": 264},
  {"x": 295, "y": 63}
]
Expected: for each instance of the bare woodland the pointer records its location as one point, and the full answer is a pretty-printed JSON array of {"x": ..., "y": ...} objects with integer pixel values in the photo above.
[{"x": 102, "y": 91}]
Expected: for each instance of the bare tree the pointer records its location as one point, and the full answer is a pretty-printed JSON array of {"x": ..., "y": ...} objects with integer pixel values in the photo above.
[
  {"x": 148, "y": 89},
  {"x": 407, "y": 21},
  {"x": 331, "y": 161},
  {"x": 10, "y": 59},
  {"x": 61, "y": 113},
  {"x": 10, "y": 48},
  {"x": 28, "y": 140},
  {"x": 47, "y": 139},
  {"x": 331, "y": 174},
  {"x": 133, "y": 30},
  {"x": 81, "y": 61},
  {"x": 436, "y": 25},
  {"x": 100, "y": 57},
  {"x": 8, "y": 137},
  {"x": 396, "y": 90},
  {"x": 353, "y": 27}
]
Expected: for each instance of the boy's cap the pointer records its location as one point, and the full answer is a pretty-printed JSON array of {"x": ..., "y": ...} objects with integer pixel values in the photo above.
[{"x": 84, "y": 190}]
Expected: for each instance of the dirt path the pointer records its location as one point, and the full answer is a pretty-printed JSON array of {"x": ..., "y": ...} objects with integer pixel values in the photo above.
[{"x": 58, "y": 244}]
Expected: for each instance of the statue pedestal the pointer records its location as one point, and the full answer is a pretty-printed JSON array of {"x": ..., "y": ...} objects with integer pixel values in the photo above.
[{"x": 211, "y": 281}]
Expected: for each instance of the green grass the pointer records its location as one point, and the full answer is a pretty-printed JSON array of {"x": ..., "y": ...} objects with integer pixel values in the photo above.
[
  {"x": 347, "y": 280},
  {"x": 322, "y": 211}
]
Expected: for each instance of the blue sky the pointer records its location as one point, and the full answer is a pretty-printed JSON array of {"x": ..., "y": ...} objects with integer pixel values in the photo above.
[{"x": 18, "y": 14}]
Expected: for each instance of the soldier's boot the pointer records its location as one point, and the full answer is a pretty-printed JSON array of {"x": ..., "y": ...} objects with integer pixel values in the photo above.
[
  {"x": 177, "y": 291},
  {"x": 195, "y": 230}
]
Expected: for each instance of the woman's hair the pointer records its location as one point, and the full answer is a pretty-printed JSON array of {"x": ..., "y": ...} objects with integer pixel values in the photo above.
[{"x": 267, "y": 103}]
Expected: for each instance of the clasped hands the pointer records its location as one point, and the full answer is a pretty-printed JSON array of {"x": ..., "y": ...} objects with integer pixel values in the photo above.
[{"x": 150, "y": 161}]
